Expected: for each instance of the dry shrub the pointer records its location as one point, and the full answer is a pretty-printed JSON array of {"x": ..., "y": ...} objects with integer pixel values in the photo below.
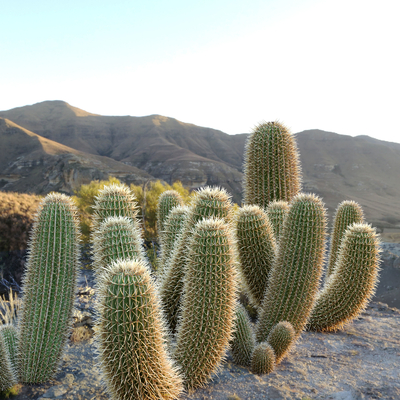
[{"x": 16, "y": 217}]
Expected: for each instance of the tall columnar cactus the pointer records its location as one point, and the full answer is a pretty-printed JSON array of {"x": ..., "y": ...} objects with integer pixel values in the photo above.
[
  {"x": 281, "y": 338},
  {"x": 353, "y": 282},
  {"x": 113, "y": 201},
  {"x": 208, "y": 302},
  {"x": 166, "y": 202},
  {"x": 262, "y": 359},
  {"x": 131, "y": 336},
  {"x": 243, "y": 342},
  {"x": 207, "y": 202},
  {"x": 277, "y": 212},
  {"x": 271, "y": 165},
  {"x": 116, "y": 238},
  {"x": 256, "y": 248},
  {"x": 8, "y": 349},
  {"x": 294, "y": 279},
  {"x": 49, "y": 286},
  {"x": 347, "y": 213},
  {"x": 173, "y": 226}
]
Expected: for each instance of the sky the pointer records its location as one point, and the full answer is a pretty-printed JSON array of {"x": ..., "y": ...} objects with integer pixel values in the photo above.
[{"x": 225, "y": 64}]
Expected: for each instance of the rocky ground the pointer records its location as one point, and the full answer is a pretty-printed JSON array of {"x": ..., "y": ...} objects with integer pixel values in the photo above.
[{"x": 362, "y": 361}]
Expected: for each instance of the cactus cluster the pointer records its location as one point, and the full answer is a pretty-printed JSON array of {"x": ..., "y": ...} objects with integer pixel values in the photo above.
[{"x": 158, "y": 335}]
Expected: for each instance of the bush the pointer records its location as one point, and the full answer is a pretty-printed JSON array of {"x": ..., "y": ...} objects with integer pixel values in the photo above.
[{"x": 16, "y": 217}]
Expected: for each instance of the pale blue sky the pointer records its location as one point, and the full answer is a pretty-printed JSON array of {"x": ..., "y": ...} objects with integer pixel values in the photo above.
[{"x": 326, "y": 64}]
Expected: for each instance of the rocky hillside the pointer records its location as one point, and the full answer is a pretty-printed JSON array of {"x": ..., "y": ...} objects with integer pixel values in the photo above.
[{"x": 336, "y": 167}]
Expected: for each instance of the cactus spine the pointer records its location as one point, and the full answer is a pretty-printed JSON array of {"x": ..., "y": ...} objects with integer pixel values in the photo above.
[
  {"x": 116, "y": 238},
  {"x": 256, "y": 248},
  {"x": 49, "y": 286},
  {"x": 243, "y": 341},
  {"x": 271, "y": 165},
  {"x": 208, "y": 304},
  {"x": 262, "y": 359},
  {"x": 352, "y": 283},
  {"x": 131, "y": 336},
  {"x": 166, "y": 202},
  {"x": 207, "y": 202},
  {"x": 295, "y": 276},
  {"x": 347, "y": 213},
  {"x": 8, "y": 344},
  {"x": 277, "y": 212}
]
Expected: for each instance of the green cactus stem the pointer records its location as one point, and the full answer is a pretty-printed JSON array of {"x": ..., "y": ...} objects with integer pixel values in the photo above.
[
  {"x": 256, "y": 248},
  {"x": 207, "y": 202},
  {"x": 116, "y": 238},
  {"x": 262, "y": 359},
  {"x": 8, "y": 349},
  {"x": 113, "y": 201},
  {"x": 294, "y": 279},
  {"x": 131, "y": 336},
  {"x": 49, "y": 286},
  {"x": 353, "y": 282},
  {"x": 271, "y": 165},
  {"x": 166, "y": 202},
  {"x": 281, "y": 338},
  {"x": 243, "y": 342},
  {"x": 277, "y": 212},
  {"x": 347, "y": 213},
  {"x": 173, "y": 226},
  {"x": 208, "y": 303}
]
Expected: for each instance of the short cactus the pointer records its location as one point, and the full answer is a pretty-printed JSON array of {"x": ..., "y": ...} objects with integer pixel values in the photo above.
[
  {"x": 166, "y": 202},
  {"x": 263, "y": 359},
  {"x": 116, "y": 238},
  {"x": 208, "y": 302},
  {"x": 207, "y": 202},
  {"x": 113, "y": 201},
  {"x": 8, "y": 349},
  {"x": 49, "y": 286},
  {"x": 131, "y": 336},
  {"x": 281, "y": 338},
  {"x": 353, "y": 282},
  {"x": 173, "y": 226},
  {"x": 271, "y": 165},
  {"x": 277, "y": 212},
  {"x": 256, "y": 249},
  {"x": 294, "y": 279},
  {"x": 347, "y": 213},
  {"x": 243, "y": 342}
]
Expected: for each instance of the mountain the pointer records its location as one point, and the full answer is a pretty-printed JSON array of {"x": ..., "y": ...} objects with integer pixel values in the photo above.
[
  {"x": 31, "y": 163},
  {"x": 336, "y": 167}
]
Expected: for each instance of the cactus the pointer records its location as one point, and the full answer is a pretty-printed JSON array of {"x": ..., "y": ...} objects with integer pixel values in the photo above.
[
  {"x": 262, "y": 359},
  {"x": 173, "y": 226},
  {"x": 353, "y": 282},
  {"x": 207, "y": 202},
  {"x": 271, "y": 165},
  {"x": 295, "y": 276},
  {"x": 281, "y": 339},
  {"x": 347, "y": 213},
  {"x": 243, "y": 342},
  {"x": 208, "y": 302},
  {"x": 277, "y": 212},
  {"x": 8, "y": 348},
  {"x": 116, "y": 238},
  {"x": 131, "y": 335},
  {"x": 49, "y": 286},
  {"x": 166, "y": 202},
  {"x": 256, "y": 248},
  {"x": 113, "y": 201}
]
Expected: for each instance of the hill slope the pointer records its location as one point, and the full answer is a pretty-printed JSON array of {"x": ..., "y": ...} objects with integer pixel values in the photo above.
[{"x": 336, "y": 167}]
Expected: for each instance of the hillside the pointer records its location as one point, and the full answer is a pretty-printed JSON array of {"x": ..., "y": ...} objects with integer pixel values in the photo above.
[{"x": 336, "y": 167}]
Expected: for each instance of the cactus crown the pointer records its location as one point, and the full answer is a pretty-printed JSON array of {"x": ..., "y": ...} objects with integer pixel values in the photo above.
[
  {"x": 166, "y": 202},
  {"x": 271, "y": 165}
]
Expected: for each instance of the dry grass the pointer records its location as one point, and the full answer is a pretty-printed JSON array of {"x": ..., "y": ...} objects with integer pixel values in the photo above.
[{"x": 9, "y": 309}]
